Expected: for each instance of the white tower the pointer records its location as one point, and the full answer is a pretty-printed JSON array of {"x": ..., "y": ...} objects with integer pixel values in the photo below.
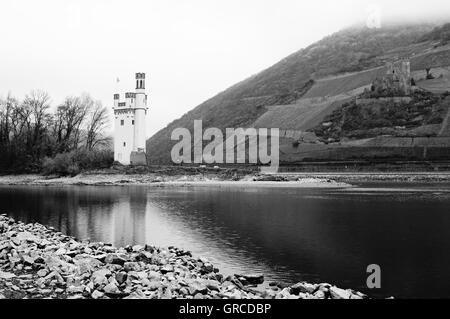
[{"x": 129, "y": 125}]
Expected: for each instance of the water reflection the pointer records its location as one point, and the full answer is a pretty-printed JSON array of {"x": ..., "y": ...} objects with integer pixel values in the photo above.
[{"x": 289, "y": 234}]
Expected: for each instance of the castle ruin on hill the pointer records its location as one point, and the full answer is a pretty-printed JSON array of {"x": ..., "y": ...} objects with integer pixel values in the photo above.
[{"x": 396, "y": 82}]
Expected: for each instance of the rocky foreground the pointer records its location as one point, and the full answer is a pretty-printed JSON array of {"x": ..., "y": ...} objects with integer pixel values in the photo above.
[{"x": 39, "y": 262}]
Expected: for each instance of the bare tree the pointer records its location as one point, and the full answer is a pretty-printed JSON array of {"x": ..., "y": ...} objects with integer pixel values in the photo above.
[
  {"x": 96, "y": 125},
  {"x": 67, "y": 123},
  {"x": 37, "y": 104},
  {"x": 29, "y": 132}
]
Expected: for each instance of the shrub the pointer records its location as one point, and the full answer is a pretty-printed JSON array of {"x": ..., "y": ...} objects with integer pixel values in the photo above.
[
  {"x": 62, "y": 164},
  {"x": 72, "y": 163}
]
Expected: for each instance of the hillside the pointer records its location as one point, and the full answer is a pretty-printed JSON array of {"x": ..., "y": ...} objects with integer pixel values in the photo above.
[
  {"x": 351, "y": 50},
  {"x": 422, "y": 116}
]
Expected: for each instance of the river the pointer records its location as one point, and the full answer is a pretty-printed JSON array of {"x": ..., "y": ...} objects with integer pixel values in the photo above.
[{"x": 289, "y": 234}]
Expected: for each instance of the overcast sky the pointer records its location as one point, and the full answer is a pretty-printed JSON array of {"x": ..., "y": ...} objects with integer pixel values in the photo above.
[{"x": 189, "y": 49}]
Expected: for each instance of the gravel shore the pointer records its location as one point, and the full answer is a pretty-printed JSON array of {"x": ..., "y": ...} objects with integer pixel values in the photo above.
[
  {"x": 156, "y": 180},
  {"x": 39, "y": 262}
]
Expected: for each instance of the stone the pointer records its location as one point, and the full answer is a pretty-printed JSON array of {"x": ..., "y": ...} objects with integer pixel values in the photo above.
[
  {"x": 6, "y": 275},
  {"x": 212, "y": 285},
  {"x": 99, "y": 276},
  {"x": 97, "y": 294},
  {"x": 208, "y": 267},
  {"x": 26, "y": 236},
  {"x": 55, "y": 275},
  {"x": 137, "y": 275},
  {"x": 131, "y": 266},
  {"x": 53, "y": 262},
  {"x": 51, "y": 265},
  {"x": 167, "y": 268},
  {"x": 74, "y": 289},
  {"x": 86, "y": 265},
  {"x": 197, "y": 286},
  {"x": 153, "y": 275},
  {"x": 60, "y": 251},
  {"x": 115, "y": 259},
  {"x": 283, "y": 294},
  {"x": 252, "y": 279},
  {"x": 320, "y": 294},
  {"x": 121, "y": 277},
  {"x": 137, "y": 248},
  {"x": 28, "y": 260},
  {"x": 111, "y": 288},
  {"x": 153, "y": 285},
  {"x": 338, "y": 293},
  {"x": 303, "y": 287}
]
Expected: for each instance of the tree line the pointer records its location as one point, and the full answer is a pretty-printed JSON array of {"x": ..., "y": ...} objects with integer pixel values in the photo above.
[{"x": 34, "y": 137}]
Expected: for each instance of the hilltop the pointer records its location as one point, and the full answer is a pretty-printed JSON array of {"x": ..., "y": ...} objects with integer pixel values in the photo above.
[{"x": 299, "y": 92}]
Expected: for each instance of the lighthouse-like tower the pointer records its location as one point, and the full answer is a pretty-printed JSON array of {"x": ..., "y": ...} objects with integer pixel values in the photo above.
[{"x": 129, "y": 125}]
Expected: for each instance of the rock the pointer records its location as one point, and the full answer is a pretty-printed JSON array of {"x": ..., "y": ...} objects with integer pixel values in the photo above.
[
  {"x": 207, "y": 268},
  {"x": 153, "y": 285},
  {"x": 153, "y": 275},
  {"x": 252, "y": 279},
  {"x": 167, "y": 268},
  {"x": 197, "y": 286},
  {"x": 53, "y": 262},
  {"x": 86, "y": 265},
  {"x": 99, "y": 276},
  {"x": 60, "y": 251},
  {"x": 320, "y": 294},
  {"x": 74, "y": 289},
  {"x": 184, "y": 291},
  {"x": 28, "y": 260},
  {"x": 111, "y": 288},
  {"x": 284, "y": 294},
  {"x": 115, "y": 259},
  {"x": 131, "y": 266},
  {"x": 6, "y": 275},
  {"x": 137, "y": 248},
  {"x": 167, "y": 294},
  {"x": 55, "y": 275},
  {"x": 303, "y": 287},
  {"x": 26, "y": 236},
  {"x": 121, "y": 277},
  {"x": 338, "y": 293},
  {"x": 137, "y": 275},
  {"x": 97, "y": 294},
  {"x": 49, "y": 264}
]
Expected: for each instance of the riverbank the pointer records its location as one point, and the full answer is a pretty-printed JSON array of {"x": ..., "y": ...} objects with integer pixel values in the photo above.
[
  {"x": 207, "y": 178},
  {"x": 39, "y": 262},
  {"x": 160, "y": 180}
]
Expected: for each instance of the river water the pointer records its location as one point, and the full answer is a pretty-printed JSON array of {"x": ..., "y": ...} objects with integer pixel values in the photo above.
[{"x": 289, "y": 234}]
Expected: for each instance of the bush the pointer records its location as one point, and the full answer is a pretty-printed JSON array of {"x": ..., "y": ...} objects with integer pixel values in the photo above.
[
  {"x": 62, "y": 164},
  {"x": 72, "y": 163}
]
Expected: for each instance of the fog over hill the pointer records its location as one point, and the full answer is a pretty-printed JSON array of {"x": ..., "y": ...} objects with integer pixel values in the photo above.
[{"x": 351, "y": 50}]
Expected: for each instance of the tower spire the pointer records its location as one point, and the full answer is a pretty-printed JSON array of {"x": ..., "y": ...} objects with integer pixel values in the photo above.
[{"x": 129, "y": 134}]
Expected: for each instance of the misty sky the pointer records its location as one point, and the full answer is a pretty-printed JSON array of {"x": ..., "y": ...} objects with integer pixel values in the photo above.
[{"x": 189, "y": 49}]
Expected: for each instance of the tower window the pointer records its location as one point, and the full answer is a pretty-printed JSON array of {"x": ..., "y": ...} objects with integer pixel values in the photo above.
[
  {"x": 132, "y": 122},
  {"x": 122, "y": 122},
  {"x": 124, "y": 144}
]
